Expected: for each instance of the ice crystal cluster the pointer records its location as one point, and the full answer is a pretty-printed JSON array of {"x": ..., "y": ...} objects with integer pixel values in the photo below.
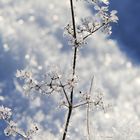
[
  {"x": 5, "y": 113},
  {"x": 12, "y": 128},
  {"x": 89, "y": 25}
]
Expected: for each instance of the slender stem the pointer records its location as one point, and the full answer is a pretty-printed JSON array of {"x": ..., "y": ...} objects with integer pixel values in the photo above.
[
  {"x": 88, "y": 109},
  {"x": 82, "y": 104},
  {"x": 75, "y": 46},
  {"x": 73, "y": 18},
  {"x": 67, "y": 123},
  {"x": 73, "y": 72},
  {"x": 88, "y": 123},
  {"x": 74, "y": 36},
  {"x": 74, "y": 60},
  {"x": 90, "y": 89},
  {"x": 66, "y": 96}
]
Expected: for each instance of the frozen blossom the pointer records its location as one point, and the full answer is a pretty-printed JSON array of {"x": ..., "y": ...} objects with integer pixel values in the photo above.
[
  {"x": 23, "y": 74},
  {"x": 105, "y": 1},
  {"x": 113, "y": 16},
  {"x": 101, "y": 1},
  {"x": 49, "y": 84},
  {"x": 72, "y": 82},
  {"x": 94, "y": 100},
  {"x": 30, "y": 82},
  {"x": 31, "y": 132},
  {"x": 5, "y": 113},
  {"x": 11, "y": 129}
]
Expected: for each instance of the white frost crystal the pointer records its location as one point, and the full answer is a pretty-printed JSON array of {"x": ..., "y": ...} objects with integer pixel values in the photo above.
[
  {"x": 5, "y": 113},
  {"x": 11, "y": 129}
]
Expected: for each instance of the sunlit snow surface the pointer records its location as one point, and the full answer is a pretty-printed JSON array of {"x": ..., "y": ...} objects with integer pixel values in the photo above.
[{"x": 31, "y": 37}]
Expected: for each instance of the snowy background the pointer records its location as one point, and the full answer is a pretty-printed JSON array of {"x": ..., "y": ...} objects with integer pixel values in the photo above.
[{"x": 31, "y": 36}]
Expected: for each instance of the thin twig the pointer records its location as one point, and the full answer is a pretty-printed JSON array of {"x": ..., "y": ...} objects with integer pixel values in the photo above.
[
  {"x": 88, "y": 109},
  {"x": 94, "y": 31},
  {"x": 91, "y": 85},
  {"x": 64, "y": 91},
  {"x": 82, "y": 104},
  {"x": 88, "y": 127},
  {"x": 67, "y": 123}
]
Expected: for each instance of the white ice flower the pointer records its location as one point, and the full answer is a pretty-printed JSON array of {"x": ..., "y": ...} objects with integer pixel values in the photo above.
[
  {"x": 105, "y": 1},
  {"x": 5, "y": 113},
  {"x": 11, "y": 129},
  {"x": 113, "y": 16},
  {"x": 31, "y": 132},
  {"x": 23, "y": 74}
]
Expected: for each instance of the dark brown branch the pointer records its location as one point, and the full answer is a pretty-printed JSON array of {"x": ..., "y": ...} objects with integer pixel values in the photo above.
[
  {"x": 67, "y": 123},
  {"x": 73, "y": 18},
  {"x": 73, "y": 71}
]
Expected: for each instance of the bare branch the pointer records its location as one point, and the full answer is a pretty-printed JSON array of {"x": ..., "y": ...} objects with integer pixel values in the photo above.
[{"x": 73, "y": 71}]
